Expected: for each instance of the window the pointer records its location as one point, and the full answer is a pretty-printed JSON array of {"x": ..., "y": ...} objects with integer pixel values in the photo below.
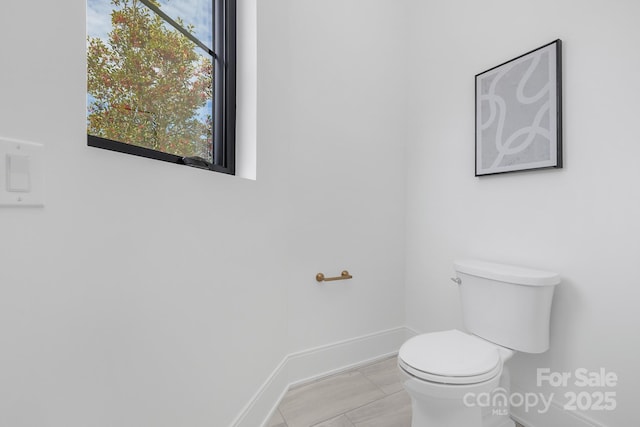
[{"x": 161, "y": 80}]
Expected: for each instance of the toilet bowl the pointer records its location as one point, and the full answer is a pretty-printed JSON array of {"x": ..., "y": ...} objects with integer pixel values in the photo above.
[
  {"x": 445, "y": 372},
  {"x": 459, "y": 379}
]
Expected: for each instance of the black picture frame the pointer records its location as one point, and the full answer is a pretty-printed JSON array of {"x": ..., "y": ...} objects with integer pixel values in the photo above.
[{"x": 518, "y": 113}]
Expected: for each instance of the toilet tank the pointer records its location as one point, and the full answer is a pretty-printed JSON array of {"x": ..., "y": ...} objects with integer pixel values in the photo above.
[{"x": 507, "y": 305}]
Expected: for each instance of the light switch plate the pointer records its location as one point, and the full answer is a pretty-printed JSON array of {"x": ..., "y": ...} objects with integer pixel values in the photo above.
[
  {"x": 21, "y": 174},
  {"x": 18, "y": 173}
]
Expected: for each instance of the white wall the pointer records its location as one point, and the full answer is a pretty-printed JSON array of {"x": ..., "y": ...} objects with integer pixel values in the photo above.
[
  {"x": 346, "y": 173},
  {"x": 581, "y": 221},
  {"x": 117, "y": 309},
  {"x": 120, "y": 304}
]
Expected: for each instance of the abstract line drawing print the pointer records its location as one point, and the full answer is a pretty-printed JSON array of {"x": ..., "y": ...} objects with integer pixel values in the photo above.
[{"x": 517, "y": 114}]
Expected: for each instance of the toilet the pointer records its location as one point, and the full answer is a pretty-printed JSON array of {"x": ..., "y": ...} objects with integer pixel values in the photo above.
[{"x": 450, "y": 375}]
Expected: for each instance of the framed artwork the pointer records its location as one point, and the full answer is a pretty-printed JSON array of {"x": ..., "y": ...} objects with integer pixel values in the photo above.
[{"x": 519, "y": 113}]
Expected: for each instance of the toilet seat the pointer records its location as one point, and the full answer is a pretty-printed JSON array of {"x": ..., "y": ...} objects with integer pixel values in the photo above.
[{"x": 450, "y": 357}]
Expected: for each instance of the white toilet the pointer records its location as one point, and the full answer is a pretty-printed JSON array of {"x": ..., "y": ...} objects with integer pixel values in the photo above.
[{"x": 505, "y": 309}]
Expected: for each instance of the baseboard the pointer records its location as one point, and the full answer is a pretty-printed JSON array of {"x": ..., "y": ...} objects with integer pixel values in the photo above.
[
  {"x": 312, "y": 364},
  {"x": 556, "y": 416}
]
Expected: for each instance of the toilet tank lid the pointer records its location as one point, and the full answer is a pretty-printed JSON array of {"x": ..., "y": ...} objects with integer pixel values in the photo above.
[{"x": 506, "y": 273}]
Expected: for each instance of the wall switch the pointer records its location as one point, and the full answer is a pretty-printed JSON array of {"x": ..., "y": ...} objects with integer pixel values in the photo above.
[
  {"x": 18, "y": 174},
  {"x": 21, "y": 181}
]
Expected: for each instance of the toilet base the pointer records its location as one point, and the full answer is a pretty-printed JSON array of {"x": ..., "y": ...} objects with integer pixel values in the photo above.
[
  {"x": 437, "y": 405},
  {"x": 443, "y": 413},
  {"x": 503, "y": 423},
  {"x": 491, "y": 419}
]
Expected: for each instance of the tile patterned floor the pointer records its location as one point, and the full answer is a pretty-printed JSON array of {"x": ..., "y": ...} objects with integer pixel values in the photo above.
[{"x": 369, "y": 396}]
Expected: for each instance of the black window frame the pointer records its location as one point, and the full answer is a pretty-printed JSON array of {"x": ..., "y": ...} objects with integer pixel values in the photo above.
[{"x": 224, "y": 101}]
